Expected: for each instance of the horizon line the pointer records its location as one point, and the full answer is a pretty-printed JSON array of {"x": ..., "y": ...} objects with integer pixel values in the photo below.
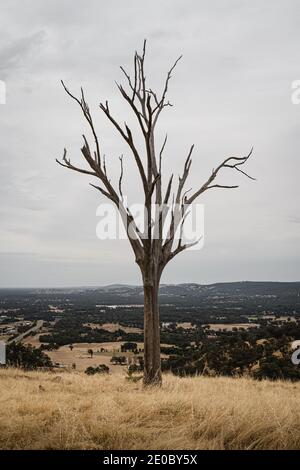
[{"x": 102, "y": 286}]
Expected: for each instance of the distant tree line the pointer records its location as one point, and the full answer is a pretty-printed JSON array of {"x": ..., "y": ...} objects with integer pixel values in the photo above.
[{"x": 263, "y": 353}]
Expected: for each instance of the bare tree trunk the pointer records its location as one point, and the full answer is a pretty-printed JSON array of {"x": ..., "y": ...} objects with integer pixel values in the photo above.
[{"x": 152, "y": 363}]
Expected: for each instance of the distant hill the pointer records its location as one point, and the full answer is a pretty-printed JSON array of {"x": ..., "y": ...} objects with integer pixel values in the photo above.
[
  {"x": 256, "y": 296},
  {"x": 243, "y": 287}
]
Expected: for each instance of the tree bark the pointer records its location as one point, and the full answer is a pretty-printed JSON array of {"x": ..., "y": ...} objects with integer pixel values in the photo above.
[{"x": 152, "y": 362}]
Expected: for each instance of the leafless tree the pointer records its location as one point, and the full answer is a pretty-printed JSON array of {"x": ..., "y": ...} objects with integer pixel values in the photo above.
[{"x": 152, "y": 253}]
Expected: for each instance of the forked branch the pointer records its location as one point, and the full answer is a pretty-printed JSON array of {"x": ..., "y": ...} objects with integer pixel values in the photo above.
[{"x": 230, "y": 162}]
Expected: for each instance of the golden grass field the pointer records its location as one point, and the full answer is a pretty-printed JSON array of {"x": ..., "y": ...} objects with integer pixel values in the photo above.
[
  {"x": 230, "y": 326},
  {"x": 45, "y": 410},
  {"x": 79, "y": 354}
]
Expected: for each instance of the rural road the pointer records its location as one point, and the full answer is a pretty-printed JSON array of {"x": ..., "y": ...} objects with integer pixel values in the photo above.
[{"x": 37, "y": 327}]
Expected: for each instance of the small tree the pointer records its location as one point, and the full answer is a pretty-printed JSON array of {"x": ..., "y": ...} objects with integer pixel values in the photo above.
[
  {"x": 128, "y": 347},
  {"x": 101, "y": 369},
  {"x": 26, "y": 356},
  {"x": 121, "y": 360},
  {"x": 152, "y": 249},
  {"x": 90, "y": 352}
]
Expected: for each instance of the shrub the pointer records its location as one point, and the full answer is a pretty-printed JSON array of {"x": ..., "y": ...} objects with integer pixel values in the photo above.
[{"x": 101, "y": 369}]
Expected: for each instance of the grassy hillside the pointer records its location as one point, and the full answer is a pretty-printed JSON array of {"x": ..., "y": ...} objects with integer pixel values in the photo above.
[{"x": 41, "y": 410}]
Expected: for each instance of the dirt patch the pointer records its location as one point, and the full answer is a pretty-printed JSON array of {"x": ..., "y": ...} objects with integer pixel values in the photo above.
[
  {"x": 112, "y": 327},
  {"x": 102, "y": 354},
  {"x": 230, "y": 326},
  {"x": 80, "y": 357},
  {"x": 185, "y": 325}
]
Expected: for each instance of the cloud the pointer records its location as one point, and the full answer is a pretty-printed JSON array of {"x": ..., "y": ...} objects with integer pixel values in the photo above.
[
  {"x": 17, "y": 52},
  {"x": 230, "y": 91}
]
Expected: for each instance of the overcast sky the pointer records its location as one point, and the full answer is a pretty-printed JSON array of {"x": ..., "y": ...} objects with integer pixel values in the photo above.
[{"x": 231, "y": 90}]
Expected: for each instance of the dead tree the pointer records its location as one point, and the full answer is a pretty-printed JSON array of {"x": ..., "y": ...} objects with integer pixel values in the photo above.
[{"x": 152, "y": 252}]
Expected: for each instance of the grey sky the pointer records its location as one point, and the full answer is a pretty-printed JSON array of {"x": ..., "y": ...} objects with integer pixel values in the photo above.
[{"x": 232, "y": 90}]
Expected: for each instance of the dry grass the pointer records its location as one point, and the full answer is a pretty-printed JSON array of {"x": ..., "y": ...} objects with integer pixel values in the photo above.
[
  {"x": 43, "y": 410},
  {"x": 112, "y": 327},
  {"x": 230, "y": 326},
  {"x": 82, "y": 359}
]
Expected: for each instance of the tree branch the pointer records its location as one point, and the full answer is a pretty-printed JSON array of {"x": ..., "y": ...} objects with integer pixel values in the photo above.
[{"x": 231, "y": 162}]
